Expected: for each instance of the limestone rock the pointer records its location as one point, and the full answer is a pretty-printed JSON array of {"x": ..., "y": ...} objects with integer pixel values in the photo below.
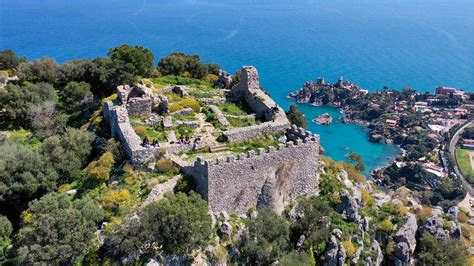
[
  {"x": 437, "y": 210},
  {"x": 180, "y": 90},
  {"x": 300, "y": 242},
  {"x": 348, "y": 207},
  {"x": 226, "y": 229},
  {"x": 453, "y": 213},
  {"x": 405, "y": 240}
]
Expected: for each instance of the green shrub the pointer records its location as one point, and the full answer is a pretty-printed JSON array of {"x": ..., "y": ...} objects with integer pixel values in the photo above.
[
  {"x": 166, "y": 166},
  {"x": 175, "y": 107},
  {"x": 141, "y": 131},
  {"x": 191, "y": 103}
]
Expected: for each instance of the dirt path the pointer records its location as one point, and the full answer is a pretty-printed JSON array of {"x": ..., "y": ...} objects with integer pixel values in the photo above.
[{"x": 207, "y": 130}]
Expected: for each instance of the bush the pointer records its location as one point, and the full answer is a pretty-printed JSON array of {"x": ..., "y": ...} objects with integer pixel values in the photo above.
[
  {"x": 116, "y": 200},
  {"x": 385, "y": 226},
  {"x": 101, "y": 168},
  {"x": 268, "y": 238},
  {"x": 175, "y": 107},
  {"x": 166, "y": 166},
  {"x": 191, "y": 103},
  {"x": 141, "y": 131},
  {"x": 296, "y": 116},
  {"x": 177, "y": 224},
  {"x": 349, "y": 247},
  {"x": 5, "y": 231}
]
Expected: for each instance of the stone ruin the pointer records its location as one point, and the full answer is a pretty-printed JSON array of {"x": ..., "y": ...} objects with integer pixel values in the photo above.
[
  {"x": 267, "y": 178},
  {"x": 264, "y": 107},
  {"x": 140, "y": 100}
]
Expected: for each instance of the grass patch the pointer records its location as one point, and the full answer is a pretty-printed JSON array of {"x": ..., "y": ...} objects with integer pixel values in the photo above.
[
  {"x": 464, "y": 163},
  {"x": 231, "y": 109},
  {"x": 263, "y": 142},
  {"x": 242, "y": 122}
]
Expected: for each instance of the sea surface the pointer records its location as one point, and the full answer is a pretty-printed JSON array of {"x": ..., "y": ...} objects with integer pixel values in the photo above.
[{"x": 375, "y": 43}]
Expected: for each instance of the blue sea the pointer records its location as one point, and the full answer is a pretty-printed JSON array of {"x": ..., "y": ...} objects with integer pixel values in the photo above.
[{"x": 375, "y": 43}]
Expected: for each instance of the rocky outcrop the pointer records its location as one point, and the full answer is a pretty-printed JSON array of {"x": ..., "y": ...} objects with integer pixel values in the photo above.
[
  {"x": 405, "y": 241},
  {"x": 335, "y": 253},
  {"x": 348, "y": 207},
  {"x": 436, "y": 227},
  {"x": 324, "y": 119},
  {"x": 180, "y": 90}
]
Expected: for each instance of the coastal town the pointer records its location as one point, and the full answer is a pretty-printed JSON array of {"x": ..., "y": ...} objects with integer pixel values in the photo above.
[{"x": 426, "y": 126}]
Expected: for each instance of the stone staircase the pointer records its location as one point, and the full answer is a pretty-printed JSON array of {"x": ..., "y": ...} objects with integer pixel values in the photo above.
[{"x": 219, "y": 148}]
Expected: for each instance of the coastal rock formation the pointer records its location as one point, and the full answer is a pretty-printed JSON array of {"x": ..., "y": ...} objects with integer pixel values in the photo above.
[
  {"x": 348, "y": 207},
  {"x": 335, "y": 253},
  {"x": 324, "y": 119},
  {"x": 405, "y": 241}
]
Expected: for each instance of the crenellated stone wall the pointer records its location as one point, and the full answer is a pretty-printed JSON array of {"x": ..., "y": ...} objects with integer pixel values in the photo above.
[{"x": 263, "y": 179}]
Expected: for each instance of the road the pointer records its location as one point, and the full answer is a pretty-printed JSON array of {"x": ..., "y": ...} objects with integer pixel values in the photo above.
[{"x": 452, "y": 150}]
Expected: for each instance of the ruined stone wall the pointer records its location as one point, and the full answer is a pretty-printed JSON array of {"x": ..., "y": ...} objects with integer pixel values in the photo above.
[
  {"x": 255, "y": 131},
  {"x": 248, "y": 90},
  {"x": 120, "y": 127},
  {"x": 266, "y": 178},
  {"x": 139, "y": 107}
]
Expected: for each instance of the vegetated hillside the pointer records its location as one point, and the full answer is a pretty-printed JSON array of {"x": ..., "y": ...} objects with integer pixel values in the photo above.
[{"x": 68, "y": 194}]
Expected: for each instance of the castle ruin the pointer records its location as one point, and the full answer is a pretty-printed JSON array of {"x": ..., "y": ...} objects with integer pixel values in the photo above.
[{"x": 265, "y": 178}]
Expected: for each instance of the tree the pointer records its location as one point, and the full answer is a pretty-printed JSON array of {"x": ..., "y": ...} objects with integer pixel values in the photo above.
[
  {"x": 441, "y": 252},
  {"x": 41, "y": 70},
  {"x": 101, "y": 168},
  {"x": 101, "y": 75},
  {"x": 74, "y": 70},
  {"x": 179, "y": 63},
  {"x": 6, "y": 230},
  {"x": 76, "y": 96},
  {"x": 68, "y": 152},
  {"x": 17, "y": 101},
  {"x": 24, "y": 175},
  {"x": 357, "y": 160},
  {"x": 9, "y": 60},
  {"x": 314, "y": 223},
  {"x": 268, "y": 237},
  {"x": 57, "y": 230},
  {"x": 178, "y": 223},
  {"x": 131, "y": 62},
  {"x": 44, "y": 119},
  {"x": 296, "y": 116}
]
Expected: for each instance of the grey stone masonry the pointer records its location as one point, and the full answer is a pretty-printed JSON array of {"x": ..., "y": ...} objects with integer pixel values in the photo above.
[
  {"x": 248, "y": 90},
  {"x": 120, "y": 127},
  {"x": 219, "y": 115},
  {"x": 266, "y": 178}
]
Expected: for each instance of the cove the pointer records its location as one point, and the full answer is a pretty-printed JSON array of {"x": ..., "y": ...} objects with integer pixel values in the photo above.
[{"x": 339, "y": 138}]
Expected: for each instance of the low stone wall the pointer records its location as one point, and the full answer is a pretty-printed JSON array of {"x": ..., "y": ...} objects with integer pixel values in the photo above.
[
  {"x": 244, "y": 133},
  {"x": 219, "y": 115},
  {"x": 264, "y": 179}
]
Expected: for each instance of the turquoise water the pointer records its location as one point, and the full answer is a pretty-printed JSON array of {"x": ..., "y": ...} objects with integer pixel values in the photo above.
[{"x": 395, "y": 43}]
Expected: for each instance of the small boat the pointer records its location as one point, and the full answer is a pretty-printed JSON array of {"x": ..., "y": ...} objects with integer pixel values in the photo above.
[{"x": 345, "y": 148}]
